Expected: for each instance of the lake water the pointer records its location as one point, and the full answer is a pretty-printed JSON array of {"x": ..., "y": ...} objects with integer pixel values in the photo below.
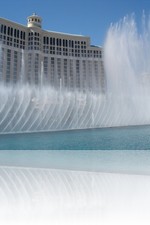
[
  {"x": 122, "y": 138},
  {"x": 124, "y": 149}
]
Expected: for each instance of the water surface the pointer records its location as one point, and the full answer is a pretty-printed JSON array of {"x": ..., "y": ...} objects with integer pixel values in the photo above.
[{"x": 122, "y": 138}]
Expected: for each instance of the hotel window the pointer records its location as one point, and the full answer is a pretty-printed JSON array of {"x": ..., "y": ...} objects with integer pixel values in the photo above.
[
  {"x": 100, "y": 54},
  {"x": 76, "y": 53},
  {"x": 71, "y": 52},
  {"x": 95, "y": 54},
  {"x": 15, "y": 67},
  {"x": 65, "y": 72},
  {"x": 65, "y": 43},
  {"x": 90, "y": 74},
  {"x": 59, "y": 68},
  {"x": 21, "y": 34},
  {"x": 58, "y": 51},
  {"x": 36, "y": 34},
  {"x": 47, "y": 41},
  {"x": 1, "y": 62},
  {"x": 52, "y": 71},
  {"x": 36, "y": 66},
  {"x": 96, "y": 71},
  {"x": 90, "y": 53},
  {"x": 24, "y": 35},
  {"x": 84, "y": 73},
  {"x": 44, "y": 40},
  {"x": 2, "y": 27},
  {"x": 8, "y": 31},
  {"x": 83, "y": 52},
  {"x": 77, "y": 74},
  {"x": 8, "y": 65},
  {"x": 53, "y": 41},
  {"x": 65, "y": 51},
  {"x": 58, "y": 42},
  {"x": 17, "y": 33},
  {"x": 45, "y": 66},
  {"x": 71, "y": 44},
  {"x": 71, "y": 73},
  {"x": 52, "y": 50},
  {"x": 11, "y": 31}
]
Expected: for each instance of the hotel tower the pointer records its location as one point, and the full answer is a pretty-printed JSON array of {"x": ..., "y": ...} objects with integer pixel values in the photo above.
[{"x": 32, "y": 55}]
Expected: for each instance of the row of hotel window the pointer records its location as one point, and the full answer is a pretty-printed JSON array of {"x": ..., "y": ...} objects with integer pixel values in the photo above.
[
  {"x": 63, "y": 42},
  {"x": 58, "y": 42},
  {"x": 52, "y": 50},
  {"x": 46, "y": 40},
  {"x": 7, "y": 65},
  {"x": 35, "y": 77},
  {"x": 12, "y": 32},
  {"x": 15, "y": 42},
  {"x": 69, "y": 76},
  {"x": 72, "y": 52}
]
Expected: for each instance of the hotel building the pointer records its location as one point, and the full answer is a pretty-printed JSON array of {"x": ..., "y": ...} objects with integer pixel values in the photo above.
[{"x": 32, "y": 55}]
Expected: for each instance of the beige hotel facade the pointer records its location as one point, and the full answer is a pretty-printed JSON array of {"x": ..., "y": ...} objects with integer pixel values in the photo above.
[{"x": 32, "y": 55}]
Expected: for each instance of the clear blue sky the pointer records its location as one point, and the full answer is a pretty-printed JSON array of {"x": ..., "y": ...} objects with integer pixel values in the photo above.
[{"x": 86, "y": 17}]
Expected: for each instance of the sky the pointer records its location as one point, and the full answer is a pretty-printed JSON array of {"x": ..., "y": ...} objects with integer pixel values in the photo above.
[{"x": 85, "y": 17}]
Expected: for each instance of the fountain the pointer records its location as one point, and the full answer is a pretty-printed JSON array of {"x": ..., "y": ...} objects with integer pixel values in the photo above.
[{"x": 28, "y": 108}]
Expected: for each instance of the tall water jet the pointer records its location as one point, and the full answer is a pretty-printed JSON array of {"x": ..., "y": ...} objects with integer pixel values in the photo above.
[{"x": 127, "y": 54}]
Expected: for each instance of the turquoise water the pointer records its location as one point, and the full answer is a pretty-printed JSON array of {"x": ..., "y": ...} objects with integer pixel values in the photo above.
[{"x": 134, "y": 138}]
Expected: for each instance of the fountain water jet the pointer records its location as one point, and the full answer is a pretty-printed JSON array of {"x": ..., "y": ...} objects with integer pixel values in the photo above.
[{"x": 128, "y": 72}]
